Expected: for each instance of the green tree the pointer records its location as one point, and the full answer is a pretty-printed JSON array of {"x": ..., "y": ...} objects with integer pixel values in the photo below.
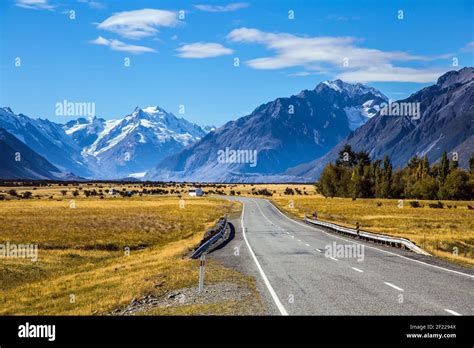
[
  {"x": 386, "y": 184},
  {"x": 457, "y": 186},
  {"x": 347, "y": 157},
  {"x": 328, "y": 181},
  {"x": 425, "y": 188},
  {"x": 471, "y": 164},
  {"x": 443, "y": 168}
]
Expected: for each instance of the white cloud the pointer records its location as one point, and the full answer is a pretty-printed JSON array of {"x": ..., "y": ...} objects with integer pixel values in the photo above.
[
  {"x": 322, "y": 52},
  {"x": 469, "y": 47},
  {"x": 222, "y": 8},
  {"x": 139, "y": 23},
  {"x": 35, "y": 4},
  {"x": 93, "y": 4},
  {"x": 389, "y": 73},
  {"x": 203, "y": 50},
  {"x": 117, "y": 45}
]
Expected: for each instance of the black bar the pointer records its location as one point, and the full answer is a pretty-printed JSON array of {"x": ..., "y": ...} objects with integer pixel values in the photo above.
[{"x": 291, "y": 331}]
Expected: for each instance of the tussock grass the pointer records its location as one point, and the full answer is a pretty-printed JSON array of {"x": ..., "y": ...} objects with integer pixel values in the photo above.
[
  {"x": 438, "y": 231},
  {"x": 82, "y": 257}
]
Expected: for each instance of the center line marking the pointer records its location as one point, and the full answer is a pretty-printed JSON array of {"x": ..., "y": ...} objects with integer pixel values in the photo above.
[
  {"x": 318, "y": 250},
  {"x": 394, "y": 286},
  {"x": 306, "y": 244},
  {"x": 298, "y": 240},
  {"x": 332, "y": 258},
  {"x": 358, "y": 270},
  {"x": 452, "y": 312}
]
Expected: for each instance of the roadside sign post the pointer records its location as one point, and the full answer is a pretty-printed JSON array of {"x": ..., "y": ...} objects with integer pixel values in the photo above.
[{"x": 201, "y": 272}]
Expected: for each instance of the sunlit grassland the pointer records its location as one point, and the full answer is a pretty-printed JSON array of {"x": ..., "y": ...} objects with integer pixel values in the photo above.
[
  {"x": 82, "y": 252},
  {"x": 441, "y": 232}
]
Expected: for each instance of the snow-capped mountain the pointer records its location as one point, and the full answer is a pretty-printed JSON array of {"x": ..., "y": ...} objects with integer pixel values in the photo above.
[
  {"x": 283, "y": 133},
  {"x": 46, "y": 138},
  {"x": 133, "y": 144},
  {"x": 367, "y": 101},
  {"x": 445, "y": 124},
  {"x": 105, "y": 149}
]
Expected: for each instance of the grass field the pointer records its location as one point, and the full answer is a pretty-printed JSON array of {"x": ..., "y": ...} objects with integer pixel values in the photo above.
[
  {"x": 441, "y": 232},
  {"x": 84, "y": 266}
]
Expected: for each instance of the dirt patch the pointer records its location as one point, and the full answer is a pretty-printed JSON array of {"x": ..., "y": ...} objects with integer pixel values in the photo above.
[{"x": 212, "y": 293}]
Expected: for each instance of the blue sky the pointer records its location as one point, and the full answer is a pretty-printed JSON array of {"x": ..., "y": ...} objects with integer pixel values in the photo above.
[{"x": 190, "y": 61}]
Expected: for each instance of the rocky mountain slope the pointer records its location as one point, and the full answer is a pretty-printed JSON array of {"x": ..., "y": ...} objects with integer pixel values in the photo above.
[
  {"x": 18, "y": 161},
  {"x": 446, "y": 123},
  {"x": 282, "y": 133}
]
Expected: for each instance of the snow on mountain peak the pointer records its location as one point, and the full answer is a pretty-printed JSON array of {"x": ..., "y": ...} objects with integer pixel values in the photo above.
[
  {"x": 153, "y": 110},
  {"x": 133, "y": 143},
  {"x": 353, "y": 89}
]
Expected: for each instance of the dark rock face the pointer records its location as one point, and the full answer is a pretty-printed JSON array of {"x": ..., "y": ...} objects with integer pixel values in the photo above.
[
  {"x": 446, "y": 124},
  {"x": 18, "y": 161}
]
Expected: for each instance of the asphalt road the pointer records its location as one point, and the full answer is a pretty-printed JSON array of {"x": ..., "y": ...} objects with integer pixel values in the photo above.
[{"x": 296, "y": 276}]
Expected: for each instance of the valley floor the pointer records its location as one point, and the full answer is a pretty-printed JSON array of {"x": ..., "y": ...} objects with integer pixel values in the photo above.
[
  {"x": 98, "y": 256},
  {"x": 126, "y": 253}
]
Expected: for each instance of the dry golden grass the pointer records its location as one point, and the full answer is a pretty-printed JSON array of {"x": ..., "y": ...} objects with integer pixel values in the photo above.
[
  {"x": 81, "y": 253},
  {"x": 438, "y": 231}
]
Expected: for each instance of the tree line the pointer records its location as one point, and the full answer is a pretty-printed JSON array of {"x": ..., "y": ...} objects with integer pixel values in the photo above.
[{"x": 355, "y": 175}]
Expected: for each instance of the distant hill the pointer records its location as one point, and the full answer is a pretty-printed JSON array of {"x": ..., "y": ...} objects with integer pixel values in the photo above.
[{"x": 18, "y": 161}]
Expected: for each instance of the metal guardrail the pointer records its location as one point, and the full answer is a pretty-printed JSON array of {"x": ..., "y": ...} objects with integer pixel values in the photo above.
[
  {"x": 199, "y": 251},
  {"x": 378, "y": 238}
]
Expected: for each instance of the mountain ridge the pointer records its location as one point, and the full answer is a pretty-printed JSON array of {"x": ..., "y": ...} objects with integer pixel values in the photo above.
[
  {"x": 445, "y": 125},
  {"x": 284, "y": 132}
]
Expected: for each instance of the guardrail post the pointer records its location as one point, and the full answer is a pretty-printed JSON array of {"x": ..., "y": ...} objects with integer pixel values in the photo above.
[
  {"x": 357, "y": 229},
  {"x": 201, "y": 272}
]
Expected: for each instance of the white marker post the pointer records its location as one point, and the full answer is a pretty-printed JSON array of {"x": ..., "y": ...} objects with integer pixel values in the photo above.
[{"x": 201, "y": 272}]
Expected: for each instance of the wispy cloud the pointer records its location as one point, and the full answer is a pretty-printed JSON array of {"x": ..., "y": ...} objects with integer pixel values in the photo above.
[
  {"x": 117, "y": 45},
  {"x": 139, "y": 24},
  {"x": 93, "y": 4},
  {"x": 339, "y": 18},
  {"x": 363, "y": 64},
  {"x": 304, "y": 73},
  {"x": 222, "y": 8},
  {"x": 203, "y": 50},
  {"x": 389, "y": 73},
  {"x": 35, "y": 4},
  {"x": 469, "y": 47}
]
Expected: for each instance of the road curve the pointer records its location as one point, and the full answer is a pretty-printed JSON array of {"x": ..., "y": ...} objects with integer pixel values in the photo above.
[{"x": 301, "y": 279}]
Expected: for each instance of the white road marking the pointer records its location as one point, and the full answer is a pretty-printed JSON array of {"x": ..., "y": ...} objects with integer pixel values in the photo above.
[
  {"x": 298, "y": 240},
  {"x": 307, "y": 244},
  {"x": 332, "y": 258},
  {"x": 450, "y": 311},
  {"x": 393, "y": 286},
  {"x": 292, "y": 236},
  {"x": 262, "y": 273},
  {"x": 319, "y": 251},
  {"x": 358, "y": 270},
  {"x": 371, "y": 247}
]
